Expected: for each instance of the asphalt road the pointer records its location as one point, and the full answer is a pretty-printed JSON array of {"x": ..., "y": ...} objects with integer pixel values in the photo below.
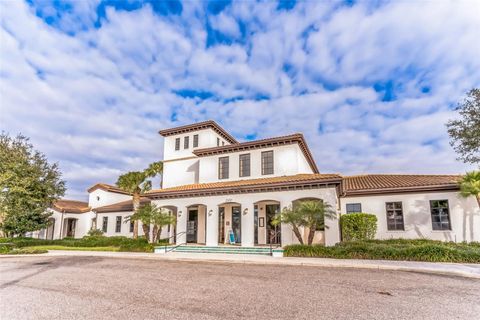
[{"x": 110, "y": 288}]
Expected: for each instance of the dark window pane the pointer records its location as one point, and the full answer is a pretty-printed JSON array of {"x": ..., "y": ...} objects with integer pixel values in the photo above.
[
  {"x": 195, "y": 140},
  {"x": 267, "y": 162},
  {"x": 104, "y": 224},
  {"x": 394, "y": 216},
  {"x": 177, "y": 144},
  {"x": 186, "y": 141},
  {"x": 118, "y": 224},
  {"x": 131, "y": 226},
  {"x": 223, "y": 168},
  {"x": 440, "y": 215},
  {"x": 244, "y": 165},
  {"x": 354, "y": 207}
]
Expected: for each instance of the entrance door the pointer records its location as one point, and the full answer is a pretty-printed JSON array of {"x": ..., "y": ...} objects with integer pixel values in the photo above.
[
  {"x": 274, "y": 235},
  {"x": 71, "y": 227},
  {"x": 237, "y": 223},
  {"x": 221, "y": 225},
  {"x": 192, "y": 225}
]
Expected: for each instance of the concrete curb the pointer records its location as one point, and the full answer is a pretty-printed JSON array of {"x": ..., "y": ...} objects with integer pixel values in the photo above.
[{"x": 471, "y": 271}]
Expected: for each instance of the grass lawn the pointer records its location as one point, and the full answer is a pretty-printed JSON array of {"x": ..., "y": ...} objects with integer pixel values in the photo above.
[
  {"x": 394, "y": 249},
  {"x": 56, "y": 247}
]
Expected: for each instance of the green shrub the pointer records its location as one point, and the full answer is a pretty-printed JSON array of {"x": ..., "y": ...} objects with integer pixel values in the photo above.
[
  {"x": 27, "y": 251},
  {"x": 95, "y": 232},
  {"x": 358, "y": 226},
  {"x": 395, "y": 249}
]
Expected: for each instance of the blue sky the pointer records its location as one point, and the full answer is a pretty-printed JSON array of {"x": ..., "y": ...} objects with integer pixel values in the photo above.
[{"x": 370, "y": 83}]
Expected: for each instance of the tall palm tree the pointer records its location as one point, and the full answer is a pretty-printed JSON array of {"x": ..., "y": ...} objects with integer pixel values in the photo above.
[
  {"x": 470, "y": 185},
  {"x": 137, "y": 183}
]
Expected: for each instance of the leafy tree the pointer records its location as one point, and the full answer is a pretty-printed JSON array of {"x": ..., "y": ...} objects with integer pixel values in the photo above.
[
  {"x": 150, "y": 214},
  {"x": 470, "y": 185},
  {"x": 309, "y": 214},
  {"x": 29, "y": 184},
  {"x": 136, "y": 183},
  {"x": 465, "y": 132}
]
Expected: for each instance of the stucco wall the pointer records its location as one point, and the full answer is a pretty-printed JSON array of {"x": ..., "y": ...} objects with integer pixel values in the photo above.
[
  {"x": 464, "y": 215},
  {"x": 105, "y": 198},
  {"x": 206, "y": 138},
  {"x": 247, "y": 201},
  {"x": 180, "y": 172},
  {"x": 125, "y": 229},
  {"x": 288, "y": 160}
]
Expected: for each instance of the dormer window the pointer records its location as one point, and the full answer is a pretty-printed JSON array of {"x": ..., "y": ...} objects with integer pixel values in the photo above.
[
  {"x": 177, "y": 144},
  {"x": 186, "y": 142},
  {"x": 195, "y": 140}
]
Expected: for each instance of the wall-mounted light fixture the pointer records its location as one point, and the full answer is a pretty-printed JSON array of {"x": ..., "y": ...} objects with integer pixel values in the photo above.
[
  {"x": 180, "y": 213},
  {"x": 245, "y": 211},
  {"x": 210, "y": 212}
]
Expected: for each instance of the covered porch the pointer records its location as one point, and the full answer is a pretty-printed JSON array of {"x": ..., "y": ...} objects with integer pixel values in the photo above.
[{"x": 243, "y": 219}]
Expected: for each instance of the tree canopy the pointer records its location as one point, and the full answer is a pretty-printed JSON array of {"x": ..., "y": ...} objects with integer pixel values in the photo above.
[
  {"x": 29, "y": 184},
  {"x": 465, "y": 131}
]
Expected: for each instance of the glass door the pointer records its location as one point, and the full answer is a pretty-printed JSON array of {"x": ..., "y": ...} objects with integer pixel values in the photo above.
[
  {"x": 192, "y": 224},
  {"x": 237, "y": 223},
  {"x": 274, "y": 235},
  {"x": 221, "y": 225}
]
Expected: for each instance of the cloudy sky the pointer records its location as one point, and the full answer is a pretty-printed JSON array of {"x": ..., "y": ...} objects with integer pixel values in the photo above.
[{"x": 370, "y": 84}]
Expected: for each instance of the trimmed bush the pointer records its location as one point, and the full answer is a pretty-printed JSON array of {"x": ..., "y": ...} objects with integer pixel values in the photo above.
[
  {"x": 394, "y": 249},
  {"x": 358, "y": 226},
  {"x": 95, "y": 233}
]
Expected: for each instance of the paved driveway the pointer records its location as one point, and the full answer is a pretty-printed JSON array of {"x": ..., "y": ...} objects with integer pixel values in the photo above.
[{"x": 112, "y": 288}]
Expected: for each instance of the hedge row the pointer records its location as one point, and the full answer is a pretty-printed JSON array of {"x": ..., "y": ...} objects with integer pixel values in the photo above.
[
  {"x": 412, "y": 250},
  {"x": 123, "y": 243}
]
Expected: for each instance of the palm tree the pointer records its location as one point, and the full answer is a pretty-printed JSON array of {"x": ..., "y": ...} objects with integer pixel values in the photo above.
[
  {"x": 150, "y": 214},
  {"x": 314, "y": 214},
  {"x": 309, "y": 214},
  {"x": 136, "y": 183},
  {"x": 291, "y": 217},
  {"x": 470, "y": 185}
]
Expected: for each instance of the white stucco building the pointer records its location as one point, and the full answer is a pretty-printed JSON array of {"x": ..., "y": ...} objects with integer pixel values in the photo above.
[{"x": 223, "y": 191}]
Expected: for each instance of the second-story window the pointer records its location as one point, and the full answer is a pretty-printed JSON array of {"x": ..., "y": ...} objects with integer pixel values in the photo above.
[
  {"x": 177, "y": 144},
  {"x": 244, "y": 165},
  {"x": 267, "y": 162},
  {"x": 185, "y": 142},
  {"x": 218, "y": 142},
  {"x": 223, "y": 168},
  {"x": 195, "y": 140}
]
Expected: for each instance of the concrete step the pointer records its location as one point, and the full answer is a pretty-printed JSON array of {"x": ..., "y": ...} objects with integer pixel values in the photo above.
[{"x": 220, "y": 249}]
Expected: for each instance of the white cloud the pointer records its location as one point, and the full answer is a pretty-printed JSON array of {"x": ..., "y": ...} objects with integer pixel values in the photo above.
[{"x": 94, "y": 101}]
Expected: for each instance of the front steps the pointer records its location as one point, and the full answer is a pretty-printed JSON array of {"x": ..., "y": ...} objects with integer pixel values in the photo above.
[{"x": 264, "y": 251}]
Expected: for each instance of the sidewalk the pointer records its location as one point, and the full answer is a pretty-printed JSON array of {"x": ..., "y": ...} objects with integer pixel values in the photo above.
[{"x": 456, "y": 269}]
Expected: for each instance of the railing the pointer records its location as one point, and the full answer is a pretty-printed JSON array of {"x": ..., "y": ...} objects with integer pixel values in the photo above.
[
  {"x": 171, "y": 248},
  {"x": 273, "y": 236}
]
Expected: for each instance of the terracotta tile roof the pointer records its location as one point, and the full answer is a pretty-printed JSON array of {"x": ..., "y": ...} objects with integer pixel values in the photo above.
[
  {"x": 199, "y": 126},
  {"x": 247, "y": 185},
  {"x": 394, "y": 183},
  {"x": 263, "y": 143},
  {"x": 106, "y": 187},
  {"x": 71, "y": 206},
  {"x": 120, "y": 206}
]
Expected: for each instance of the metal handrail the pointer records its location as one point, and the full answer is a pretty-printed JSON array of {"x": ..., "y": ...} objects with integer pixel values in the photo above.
[
  {"x": 176, "y": 246},
  {"x": 273, "y": 237}
]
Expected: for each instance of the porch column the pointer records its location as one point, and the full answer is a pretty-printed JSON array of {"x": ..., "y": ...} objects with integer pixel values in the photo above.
[
  {"x": 211, "y": 238},
  {"x": 248, "y": 227},
  {"x": 182, "y": 215}
]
